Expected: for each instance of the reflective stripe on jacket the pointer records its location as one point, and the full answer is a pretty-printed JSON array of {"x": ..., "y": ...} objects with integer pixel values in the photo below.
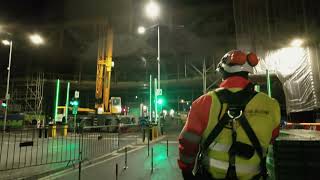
[{"x": 263, "y": 114}]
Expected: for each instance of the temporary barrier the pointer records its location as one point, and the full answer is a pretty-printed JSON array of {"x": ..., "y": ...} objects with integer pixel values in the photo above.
[{"x": 22, "y": 148}]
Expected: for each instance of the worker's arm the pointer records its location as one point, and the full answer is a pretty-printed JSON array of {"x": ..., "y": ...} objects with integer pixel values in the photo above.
[
  {"x": 190, "y": 136},
  {"x": 276, "y": 118}
]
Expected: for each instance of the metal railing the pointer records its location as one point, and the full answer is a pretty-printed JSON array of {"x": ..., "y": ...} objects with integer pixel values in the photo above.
[
  {"x": 22, "y": 148},
  {"x": 33, "y": 147}
]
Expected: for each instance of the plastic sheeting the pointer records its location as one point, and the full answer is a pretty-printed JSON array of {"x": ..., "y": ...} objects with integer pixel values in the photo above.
[{"x": 297, "y": 69}]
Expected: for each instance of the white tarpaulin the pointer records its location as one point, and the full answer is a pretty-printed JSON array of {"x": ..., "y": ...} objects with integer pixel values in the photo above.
[{"x": 297, "y": 72}]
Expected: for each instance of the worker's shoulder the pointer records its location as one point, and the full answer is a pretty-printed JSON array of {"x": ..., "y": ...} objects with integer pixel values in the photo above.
[
  {"x": 203, "y": 100},
  {"x": 261, "y": 96}
]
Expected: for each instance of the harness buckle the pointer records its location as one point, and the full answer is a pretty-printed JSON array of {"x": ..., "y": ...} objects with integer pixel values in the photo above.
[{"x": 232, "y": 116}]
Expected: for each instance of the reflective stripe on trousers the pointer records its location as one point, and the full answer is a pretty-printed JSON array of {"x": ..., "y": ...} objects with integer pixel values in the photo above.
[{"x": 240, "y": 168}]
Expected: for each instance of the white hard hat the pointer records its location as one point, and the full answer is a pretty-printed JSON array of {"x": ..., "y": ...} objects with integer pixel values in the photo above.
[
  {"x": 237, "y": 68},
  {"x": 238, "y": 61}
]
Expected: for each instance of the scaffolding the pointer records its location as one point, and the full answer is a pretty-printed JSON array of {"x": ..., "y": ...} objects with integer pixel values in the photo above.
[
  {"x": 28, "y": 96},
  {"x": 34, "y": 94}
]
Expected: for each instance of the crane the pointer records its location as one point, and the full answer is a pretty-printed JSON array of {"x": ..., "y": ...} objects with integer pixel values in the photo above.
[{"x": 104, "y": 104}]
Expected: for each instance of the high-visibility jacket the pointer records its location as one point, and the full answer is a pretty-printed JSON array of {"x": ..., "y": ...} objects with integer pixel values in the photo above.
[{"x": 263, "y": 114}]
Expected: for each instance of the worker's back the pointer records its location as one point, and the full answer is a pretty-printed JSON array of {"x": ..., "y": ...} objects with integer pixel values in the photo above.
[
  {"x": 227, "y": 133},
  {"x": 262, "y": 113}
]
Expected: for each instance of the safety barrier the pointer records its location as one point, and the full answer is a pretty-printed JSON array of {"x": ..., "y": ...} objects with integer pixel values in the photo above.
[
  {"x": 22, "y": 148},
  {"x": 33, "y": 147}
]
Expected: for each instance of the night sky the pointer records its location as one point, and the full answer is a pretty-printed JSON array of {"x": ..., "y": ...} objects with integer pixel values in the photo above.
[{"x": 191, "y": 31}]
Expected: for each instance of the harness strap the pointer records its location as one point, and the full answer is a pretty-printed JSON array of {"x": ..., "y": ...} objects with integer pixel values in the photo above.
[
  {"x": 231, "y": 173},
  {"x": 234, "y": 101},
  {"x": 236, "y": 105},
  {"x": 205, "y": 145},
  {"x": 256, "y": 144},
  {"x": 215, "y": 132}
]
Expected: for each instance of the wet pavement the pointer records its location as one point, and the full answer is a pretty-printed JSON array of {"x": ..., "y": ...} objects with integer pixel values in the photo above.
[{"x": 139, "y": 164}]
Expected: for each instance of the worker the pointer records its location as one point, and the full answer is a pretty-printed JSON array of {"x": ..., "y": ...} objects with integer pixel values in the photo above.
[{"x": 229, "y": 129}]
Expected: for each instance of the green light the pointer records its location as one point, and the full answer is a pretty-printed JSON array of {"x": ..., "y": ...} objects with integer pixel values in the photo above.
[
  {"x": 76, "y": 103},
  {"x": 56, "y": 100},
  {"x": 67, "y": 101},
  {"x": 3, "y": 105},
  {"x": 160, "y": 100}
]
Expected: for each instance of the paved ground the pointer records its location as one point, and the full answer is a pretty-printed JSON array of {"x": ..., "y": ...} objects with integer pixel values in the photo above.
[{"x": 139, "y": 164}]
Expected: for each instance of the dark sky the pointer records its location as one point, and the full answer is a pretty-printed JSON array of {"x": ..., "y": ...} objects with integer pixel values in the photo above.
[
  {"x": 209, "y": 30},
  {"x": 69, "y": 30}
]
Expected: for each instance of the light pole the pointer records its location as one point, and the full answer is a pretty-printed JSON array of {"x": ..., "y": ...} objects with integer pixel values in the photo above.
[
  {"x": 7, "y": 43},
  {"x": 152, "y": 10},
  {"x": 142, "y": 30},
  {"x": 35, "y": 39}
]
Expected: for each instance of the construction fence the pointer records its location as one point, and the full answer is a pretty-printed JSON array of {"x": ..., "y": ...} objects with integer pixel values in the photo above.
[{"x": 22, "y": 148}]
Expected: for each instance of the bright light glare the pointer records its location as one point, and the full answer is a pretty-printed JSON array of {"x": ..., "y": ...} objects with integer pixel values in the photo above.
[
  {"x": 182, "y": 101},
  {"x": 6, "y": 42},
  {"x": 152, "y": 9},
  {"x": 36, "y": 39},
  {"x": 141, "y": 30},
  {"x": 296, "y": 42},
  {"x": 165, "y": 112},
  {"x": 171, "y": 113},
  {"x": 286, "y": 61}
]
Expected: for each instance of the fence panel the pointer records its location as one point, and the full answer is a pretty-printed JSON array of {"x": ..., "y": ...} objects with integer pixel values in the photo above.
[{"x": 22, "y": 148}]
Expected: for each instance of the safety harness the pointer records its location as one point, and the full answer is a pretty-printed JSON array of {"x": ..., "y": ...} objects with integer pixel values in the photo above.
[{"x": 236, "y": 103}]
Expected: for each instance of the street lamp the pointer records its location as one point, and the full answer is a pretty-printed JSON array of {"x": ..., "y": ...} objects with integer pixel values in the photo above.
[
  {"x": 296, "y": 42},
  {"x": 141, "y": 30},
  {"x": 36, "y": 39},
  {"x": 7, "y": 43},
  {"x": 152, "y": 9}
]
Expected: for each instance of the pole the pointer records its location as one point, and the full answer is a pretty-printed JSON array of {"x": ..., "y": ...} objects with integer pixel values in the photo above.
[
  {"x": 151, "y": 160},
  {"x": 158, "y": 56},
  {"x": 204, "y": 76},
  {"x": 117, "y": 171},
  {"x": 269, "y": 83},
  {"x": 74, "y": 123},
  {"x": 148, "y": 142},
  {"x": 67, "y": 102},
  {"x": 125, "y": 159},
  {"x": 56, "y": 101},
  {"x": 7, "y": 90},
  {"x": 150, "y": 98},
  {"x": 80, "y": 156},
  {"x": 155, "y": 100},
  {"x": 167, "y": 148}
]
